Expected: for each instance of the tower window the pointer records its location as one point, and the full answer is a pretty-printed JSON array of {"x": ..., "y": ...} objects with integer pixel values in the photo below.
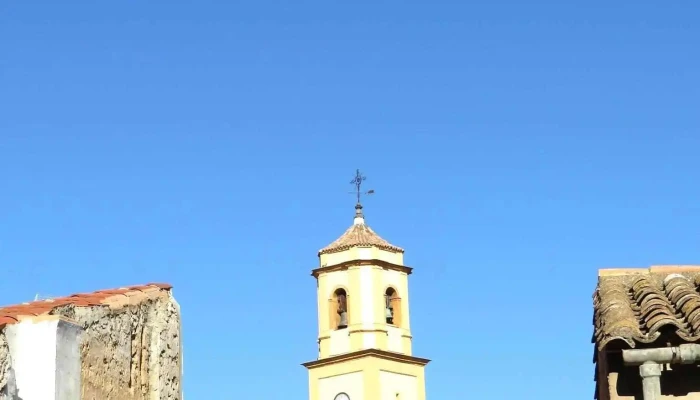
[
  {"x": 339, "y": 309},
  {"x": 392, "y": 307}
]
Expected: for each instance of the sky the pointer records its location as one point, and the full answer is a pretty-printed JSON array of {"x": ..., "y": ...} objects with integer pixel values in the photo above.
[{"x": 515, "y": 147}]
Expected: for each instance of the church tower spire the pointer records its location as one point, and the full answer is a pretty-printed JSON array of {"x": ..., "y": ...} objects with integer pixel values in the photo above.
[{"x": 364, "y": 335}]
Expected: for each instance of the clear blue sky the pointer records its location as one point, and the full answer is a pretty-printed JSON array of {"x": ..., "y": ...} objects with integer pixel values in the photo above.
[{"x": 515, "y": 147}]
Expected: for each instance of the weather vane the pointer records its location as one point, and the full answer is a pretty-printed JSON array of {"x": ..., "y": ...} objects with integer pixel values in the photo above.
[{"x": 357, "y": 182}]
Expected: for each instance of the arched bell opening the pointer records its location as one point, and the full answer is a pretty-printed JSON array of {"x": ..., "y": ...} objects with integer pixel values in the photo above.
[
  {"x": 392, "y": 307},
  {"x": 338, "y": 309}
]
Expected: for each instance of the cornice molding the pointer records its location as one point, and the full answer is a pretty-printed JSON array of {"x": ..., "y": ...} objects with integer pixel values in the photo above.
[
  {"x": 356, "y": 263},
  {"x": 386, "y": 355}
]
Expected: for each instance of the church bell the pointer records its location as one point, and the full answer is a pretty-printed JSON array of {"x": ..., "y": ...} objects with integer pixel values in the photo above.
[
  {"x": 343, "y": 320},
  {"x": 389, "y": 315}
]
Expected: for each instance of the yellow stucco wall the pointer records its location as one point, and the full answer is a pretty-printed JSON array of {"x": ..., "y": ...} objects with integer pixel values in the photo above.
[
  {"x": 352, "y": 384},
  {"x": 394, "y": 339},
  {"x": 394, "y": 385},
  {"x": 365, "y": 286},
  {"x": 368, "y": 359},
  {"x": 368, "y": 378},
  {"x": 360, "y": 253},
  {"x": 339, "y": 342}
]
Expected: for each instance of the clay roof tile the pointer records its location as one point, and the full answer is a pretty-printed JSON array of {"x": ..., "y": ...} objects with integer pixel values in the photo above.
[
  {"x": 633, "y": 307},
  {"x": 359, "y": 234},
  {"x": 11, "y": 314},
  {"x": 6, "y": 319},
  {"x": 161, "y": 285}
]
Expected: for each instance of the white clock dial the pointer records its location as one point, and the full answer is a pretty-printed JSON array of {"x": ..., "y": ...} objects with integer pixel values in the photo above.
[{"x": 342, "y": 396}]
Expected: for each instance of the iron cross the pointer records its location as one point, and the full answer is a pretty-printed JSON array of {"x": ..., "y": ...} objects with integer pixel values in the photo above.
[{"x": 357, "y": 182}]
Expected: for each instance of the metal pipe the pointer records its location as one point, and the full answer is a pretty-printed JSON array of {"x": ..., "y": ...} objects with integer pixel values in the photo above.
[
  {"x": 649, "y": 361},
  {"x": 683, "y": 354},
  {"x": 651, "y": 382}
]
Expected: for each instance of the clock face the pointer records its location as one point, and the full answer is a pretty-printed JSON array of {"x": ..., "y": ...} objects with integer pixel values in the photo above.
[{"x": 342, "y": 396}]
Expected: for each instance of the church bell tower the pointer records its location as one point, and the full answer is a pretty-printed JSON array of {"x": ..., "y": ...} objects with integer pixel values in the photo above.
[{"x": 364, "y": 331}]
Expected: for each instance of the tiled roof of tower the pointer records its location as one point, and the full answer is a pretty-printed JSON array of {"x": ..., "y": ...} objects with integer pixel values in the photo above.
[
  {"x": 114, "y": 298},
  {"x": 359, "y": 234}
]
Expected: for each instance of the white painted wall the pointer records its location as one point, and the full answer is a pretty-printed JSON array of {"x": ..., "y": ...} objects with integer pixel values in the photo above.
[
  {"x": 340, "y": 342},
  {"x": 351, "y": 383},
  {"x": 45, "y": 359},
  {"x": 394, "y": 339},
  {"x": 33, "y": 350},
  {"x": 368, "y": 297},
  {"x": 392, "y": 383}
]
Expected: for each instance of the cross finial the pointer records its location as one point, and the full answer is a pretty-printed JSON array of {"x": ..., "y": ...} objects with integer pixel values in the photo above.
[{"x": 357, "y": 182}]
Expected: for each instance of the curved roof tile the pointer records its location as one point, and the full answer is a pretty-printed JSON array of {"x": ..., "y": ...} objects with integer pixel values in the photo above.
[
  {"x": 10, "y": 314},
  {"x": 359, "y": 234}
]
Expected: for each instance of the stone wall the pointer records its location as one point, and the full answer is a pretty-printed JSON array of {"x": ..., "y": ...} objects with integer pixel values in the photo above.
[
  {"x": 8, "y": 387},
  {"x": 130, "y": 348}
]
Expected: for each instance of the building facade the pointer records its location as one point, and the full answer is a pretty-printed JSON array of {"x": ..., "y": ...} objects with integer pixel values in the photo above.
[
  {"x": 364, "y": 330},
  {"x": 646, "y": 333}
]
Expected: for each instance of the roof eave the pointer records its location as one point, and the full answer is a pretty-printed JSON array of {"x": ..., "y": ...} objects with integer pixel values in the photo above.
[{"x": 331, "y": 250}]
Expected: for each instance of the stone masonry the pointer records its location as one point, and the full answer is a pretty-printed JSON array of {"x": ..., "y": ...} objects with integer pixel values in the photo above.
[{"x": 130, "y": 345}]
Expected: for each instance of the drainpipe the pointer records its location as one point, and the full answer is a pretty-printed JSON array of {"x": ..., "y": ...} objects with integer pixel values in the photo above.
[{"x": 650, "y": 360}]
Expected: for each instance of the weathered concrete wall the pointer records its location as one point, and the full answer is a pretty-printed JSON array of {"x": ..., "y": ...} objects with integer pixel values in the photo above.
[
  {"x": 68, "y": 365},
  {"x": 130, "y": 348},
  {"x": 130, "y": 353}
]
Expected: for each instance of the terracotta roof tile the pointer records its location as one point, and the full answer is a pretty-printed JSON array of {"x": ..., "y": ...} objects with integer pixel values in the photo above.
[
  {"x": 11, "y": 314},
  {"x": 359, "y": 234},
  {"x": 161, "y": 285},
  {"x": 110, "y": 291},
  {"x": 6, "y": 319},
  {"x": 633, "y": 308}
]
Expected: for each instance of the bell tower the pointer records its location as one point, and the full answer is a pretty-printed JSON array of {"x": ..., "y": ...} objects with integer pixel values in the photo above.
[{"x": 364, "y": 331}]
